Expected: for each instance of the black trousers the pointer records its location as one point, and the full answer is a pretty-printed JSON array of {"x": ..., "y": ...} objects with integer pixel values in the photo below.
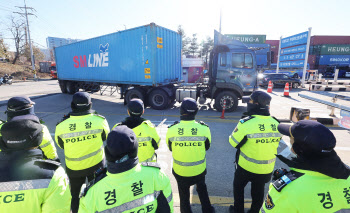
[
  {"x": 184, "y": 184},
  {"x": 258, "y": 181},
  {"x": 75, "y": 186}
]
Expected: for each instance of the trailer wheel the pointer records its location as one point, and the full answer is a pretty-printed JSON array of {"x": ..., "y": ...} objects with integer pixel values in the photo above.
[
  {"x": 158, "y": 99},
  {"x": 71, "y": 87},
  {"x": 231, "y": 101},
  {"x": 134, "y": 93},
  {"x": 63, "y": 86}
]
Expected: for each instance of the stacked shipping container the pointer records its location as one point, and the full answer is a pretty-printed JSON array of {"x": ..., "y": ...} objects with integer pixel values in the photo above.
[
  {"x": 324, "y": 51},
  {"x": 330, "y": 50},
  {"x": 274, "y": 45}
]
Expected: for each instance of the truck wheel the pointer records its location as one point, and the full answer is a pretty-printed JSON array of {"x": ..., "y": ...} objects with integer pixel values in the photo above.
[
  {"x": 71, "y": 87},
  {"x": 63, "y": 86},
  {"x": 158, "y": 99},
  {"x": 134, "y": 93},
  {"x": 231, "y": 101},
  {"x": 296, "y": 75}
]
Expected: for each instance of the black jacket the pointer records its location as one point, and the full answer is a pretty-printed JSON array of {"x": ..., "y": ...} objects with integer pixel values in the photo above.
[
  {"x": 330, "y": 165},
  {"x": 25, "y": 165}
]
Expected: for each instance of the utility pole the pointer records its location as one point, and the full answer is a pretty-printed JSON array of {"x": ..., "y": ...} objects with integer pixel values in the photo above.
[
  {"x": 28, "y": 32},
  {"x": 220, "y": 22},
  {"x": 25, "y": 29}
]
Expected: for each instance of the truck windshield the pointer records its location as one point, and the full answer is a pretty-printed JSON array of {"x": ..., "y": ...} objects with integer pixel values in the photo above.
[{"x": 242, "y": 60}]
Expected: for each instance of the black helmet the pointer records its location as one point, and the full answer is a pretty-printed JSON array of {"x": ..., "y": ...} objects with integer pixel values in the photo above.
[
  {"x": 258, "y": 97},
  {"x": 189, "y": 108},
  {"x": 19, "y": 105},
  {"x": 135, "y": 107},
  {"x": 81, "y": 102},
  {"x": 258, "y": 103},
  {"x": 121, "y": 149},
  {"x": 30, "y": 130},
  {"x": 261, "y": 98}
]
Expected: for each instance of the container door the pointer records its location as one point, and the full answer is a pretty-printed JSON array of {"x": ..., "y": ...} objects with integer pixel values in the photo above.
[{"x": 185, "y": 74}]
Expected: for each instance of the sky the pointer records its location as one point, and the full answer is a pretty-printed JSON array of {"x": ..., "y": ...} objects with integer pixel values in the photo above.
[{"x": 83, "y": 19}]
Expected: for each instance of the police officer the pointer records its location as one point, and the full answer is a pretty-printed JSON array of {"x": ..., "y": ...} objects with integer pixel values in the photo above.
[
  {"x": 188, "y": 140},
  {"x": 27, "y": 182},
  {"x": 127, "y": 186},
  {"x": 318, "y": 180},
  {"x": 81, "y": 135},
  {"x": 145, "y": 131},
  {"x": 22, "y": 105},
  {"x": 256, "y": 139}
]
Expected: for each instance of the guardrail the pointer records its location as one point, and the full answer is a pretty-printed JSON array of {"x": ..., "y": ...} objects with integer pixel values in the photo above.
[{"x": 328, "y": 103}]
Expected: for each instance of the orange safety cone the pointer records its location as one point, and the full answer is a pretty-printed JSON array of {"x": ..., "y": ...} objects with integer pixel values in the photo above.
[
  {"x": 223, "y": 110},
  {"x": 286, "y": 90},
  {"x": 269, "y": 88}
]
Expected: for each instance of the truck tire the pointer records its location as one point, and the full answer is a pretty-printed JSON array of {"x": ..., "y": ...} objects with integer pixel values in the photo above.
[
  {"x": 71, "y": 87},
  {"x": 134, "y": 93},
  {"x": 231, "y": 101},
  {"x": 63, "y": 86},
  {"x": 158, "y": 99},
  {"x": 296, "y": 75}
]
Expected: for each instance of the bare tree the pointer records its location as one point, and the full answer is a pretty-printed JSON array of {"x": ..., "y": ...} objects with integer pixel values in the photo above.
[
  {"x": 38, "y": 55},
  {"x": 16, "y": 27},
  {"x": 3, "y": 48}
]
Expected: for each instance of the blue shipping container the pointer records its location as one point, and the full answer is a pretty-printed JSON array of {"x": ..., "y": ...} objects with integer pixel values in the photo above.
[
  {"x": 334, "y": 59},
  {"x": 147, "y": 55}
]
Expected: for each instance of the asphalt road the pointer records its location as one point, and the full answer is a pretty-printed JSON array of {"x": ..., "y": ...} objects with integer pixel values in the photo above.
[{"x": 51, "y": 105}]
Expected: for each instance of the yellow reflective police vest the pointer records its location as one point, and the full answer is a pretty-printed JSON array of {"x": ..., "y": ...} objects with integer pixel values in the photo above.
[
  {"x": 186, "y": 140},
  {"x": 82, "y": 137},
  {"x": 260, "y": 138},
  {"x": 132, "y": 191},
  {"x": 145, "y": 133},
  {"x": 38, "y": 195},
  {"x": 313, "y": 192},
  {"x": 47, "y": 145}
]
